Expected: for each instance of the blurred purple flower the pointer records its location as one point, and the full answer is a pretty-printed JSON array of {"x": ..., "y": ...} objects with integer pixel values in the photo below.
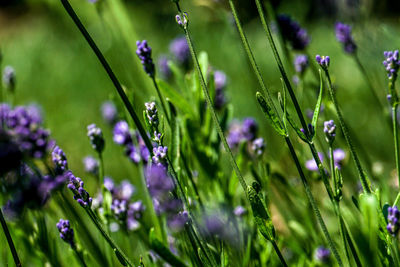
[
  {"x": 91, "y": 165},
  {"x": 343, "y": 35},
  {"x": 66, "y": 232},
  {"x": 109, "y": 112},
  {"x": 180, "y": 49}
]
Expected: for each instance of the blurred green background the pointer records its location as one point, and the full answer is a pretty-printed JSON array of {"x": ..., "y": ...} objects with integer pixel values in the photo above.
[{"x": 56, "y": 68}]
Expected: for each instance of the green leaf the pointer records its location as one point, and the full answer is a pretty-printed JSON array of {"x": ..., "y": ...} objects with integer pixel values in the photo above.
[
  {"x": 385, "y": 210},
  {"x": 175, "y": 139},
  {"x": 270, "y": 114},
  {"x": 120, "y": 258},
  {"x": 163, "y": 251},
  {"x": 318, "y": 105},
  {"x": 203, "y": 61},
  {"x": 176, "y": 98},
  {"x": 260, "y": 213}
]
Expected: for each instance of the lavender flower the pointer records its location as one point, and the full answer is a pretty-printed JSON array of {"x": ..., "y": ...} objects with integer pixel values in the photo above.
[
  {"x": 109, "y": 112},
  {"x": 235, "y": 135},
  {"x": 239, "y": 211},
  {"x": 391, "y": 63},
  {"x": 121, "y": 133},
  {"x": 322, "y": 254},
  {"x": 301, "y": 64},
  {"x": 249, "y": 128},
  {"x": 258, "y": 146},
  {"x": 160, "y": 155},
  {"x": 80, "y": 194},
  {"x": 180, "y": 49},
  {"x": 343, "y": 35},
  {"x": 164, "y": 68},
  {"x": 96, "y": 137},
  {"x": 339, "y": 155},
  {"x": 323, "y": 61},
  {"x": 220, "y": 83},
  {"x": 330, "y": 131},
  {"x": 293, "y": 33},
  {"x": 66, "y": 232},
  {"x": 144, "y": 53},
  {"x": 9, "y": 78},
  {"x": 393, "y": 220},
  {"x": 182, "y": 21},
  {"x": 311, "y": 165},
  {"x": 178, "y": 221},
  {"x": 59, "y": 159},
  {"x": 152, "y": 113},
  {"x": 91, "y": 165}
]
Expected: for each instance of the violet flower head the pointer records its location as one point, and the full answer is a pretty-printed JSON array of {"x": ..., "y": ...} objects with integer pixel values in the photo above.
[
  {"x": 258, "y": 146},
  {"x": 235, "y": 135},
  {"x": 91, "y": 165},
  {"x": 66, "y": 232},
  {"x": 177, "y": 222},
  {"x": 59, "y": 159},
  {"x": 322, "y": 254},
  {"x": 9, "y": 78},
  {"x": 343, "y": 35},
  {"x": 144, "y": 53},
  {"x": 134, "y": 213},
  {"x": 239, "y": 211},
  {"x": 80, "y": 194},
  {"x": 133, "y": 153},
  {"x": 330, "y": 131},
  {"x": 180, "y": 49},
  {"x": 109, "y": 112},
  {"x": 160, "y": 155},
  {"x": 96, "y": 137},
  {"x": 164, "y": 68},
  {"x": 338, "y": 156},
  {"x": 121, "y": 133},
  {"x": 301, "y": 64},
  {"x": 393, "y": 220},
  {"x": 152, "y": 113},
  {"x": 391, "y": 63},
  {"x": 323, "y": 61},
  {"x": 220, "y": 84},
  {"x": 293, "y": 32},
  {"x": 311, "y": 165},
  {"x": 158, "y": 181},
  {"x": 249, "y": 128}
]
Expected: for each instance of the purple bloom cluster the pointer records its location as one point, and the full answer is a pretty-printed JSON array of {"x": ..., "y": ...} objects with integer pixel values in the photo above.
[
  {"x": 80, "y": 194},
  {"x": 179, "y": 48},
  {"x": 330, "y": 131},
  {"x": 301, "y": 64},
  {"x": 123, "y": 136},
  {"x": 244, "y": 132},
  {"x": 239, "y": 211},
  {"x": 152, "y": 113},
  {"x": 391, "y": 63},
  {"x": 220, "y": 84},
  {"x": 160, "y": 155},
  {"x": 96, "y": 137},
  {"x": 144, "y": 53},
  {"x": 343, "y": 35},
  {"x": 393, "y": 220},
  {"x": 322, "y": 254},
  {"x": 338, "y": 156},
  {"x": 160, "y": 186},
  {"x": 66, "y": 232},
  {"x": 323, "y": 61},
  {"x": 163, "y": 67},
  {"x": 60, "y": 160},
  {"x": 293, "y": 33},
  {"x": 91, "y": 165},
  {"x": 109, "y": 112},
  {"x": 9, "y": 78},
  {"x": 23, "y": 127}
]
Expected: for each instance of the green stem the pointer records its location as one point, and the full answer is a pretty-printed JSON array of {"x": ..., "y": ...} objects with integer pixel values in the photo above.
[
  {"x": 278, "y": 252},
  {"x": 280, "y": 66},
  {"x": 80, "y": 257},
  {"x": 164, "y": 106},
  {"x": 396, "y": 139},
  {"x": 9, "y": 240},
  {"x": 118, "y": 252},
  {"x": 101, "y": 171},
  {"x": 363, "y": 178},
  {"x": 312, "y": 201}
]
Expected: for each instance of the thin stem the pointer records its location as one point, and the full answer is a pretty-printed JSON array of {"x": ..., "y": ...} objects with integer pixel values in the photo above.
[
  {"x": 9, "y": 240},
  {"x": 119, "y": 253},
  {"x": 397, "y": 199},
  {"x": 79, "y": 255},
  {"x": 164, "y": 106},
  {"x": 312, "y": 201},
  {"x": 101, "y": 171},
  {"x": 364, "y": 179},
  {"x": 280, "y": 66},
  {"x": 396, "y": 139},
  {"x": 278, "y": 252}
]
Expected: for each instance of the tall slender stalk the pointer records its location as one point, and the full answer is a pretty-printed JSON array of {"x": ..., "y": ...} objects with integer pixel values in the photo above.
[
  {"x": 396, "y": 140},
  {"x": 364, "y": 179},
  {"x": 9, "y": 240},
  {"x": 160, "y": 96},
  {"x": 80, "y": 257}
]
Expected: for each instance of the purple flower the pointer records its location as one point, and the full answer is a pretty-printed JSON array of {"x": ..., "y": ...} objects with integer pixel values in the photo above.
[
  {"x": 249, "y": 128},
  {"x": 144, "y": 53},
  {"x": 322, "y": 254},
  {"x": 220, "y": 83},
  {"x": 343, "y": 35},
  {"x": 91, "y": 165},
  {"x": 178, "y": 221},
  {"x": 165, "y": 70},
  {"x": 10, "y": 154},
  {"x": 80, "y": 194},
  {"x": 311, "y": 165},
  {"x": 391, "y": 63},
  {"x": 158, "y": 181},
  {"x": 66, "y": 232},
  {"x": 152, "y": 113},
  {"x": 180, "y": 49},
  {"x": 109, "y": 184},
  {"x": 293, "y": 33},
  {"x": 330, "y": 131},
  {"x": 258, "y": 146},
  {"x": 121, "y": 133},
  {"x": 339, "y": 155},
  {"x": 240, "y": 211},
  {"x": 235, "y": 135},
  {"x": 160, "y": 155},
  {"x": 96, "y": 137},
  {"x": 59, "y": 159},
  {"x": 109, "y": 112},
  {"x": 9, "y": 78},
  {"x": 393, "y": 220},
  {"x": 323, "y": 61},
  {"x": 301, "y": 64}
]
